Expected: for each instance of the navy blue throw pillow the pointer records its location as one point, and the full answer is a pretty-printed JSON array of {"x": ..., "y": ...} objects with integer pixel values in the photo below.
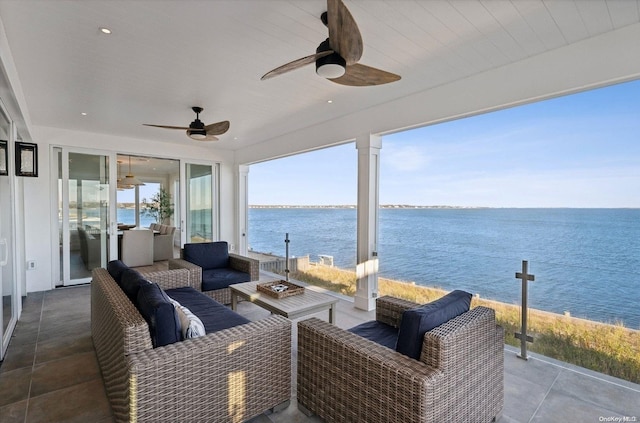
[
  {"x": 130, "y": 282},
  {"x": 115, "y": 269},
  {"x": 160, "y": 314},
  {"x": 208, "y": 255},
  {"x": 416, "y": 322}
]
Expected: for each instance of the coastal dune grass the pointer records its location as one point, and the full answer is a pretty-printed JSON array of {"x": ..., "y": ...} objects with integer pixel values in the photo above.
[{"x": 604, "y": 348}]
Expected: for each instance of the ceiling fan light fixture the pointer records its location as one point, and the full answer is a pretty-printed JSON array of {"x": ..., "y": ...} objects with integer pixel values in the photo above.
[
  {"x": 331, "y": 66},
  {"x": 198, "y": 135}
]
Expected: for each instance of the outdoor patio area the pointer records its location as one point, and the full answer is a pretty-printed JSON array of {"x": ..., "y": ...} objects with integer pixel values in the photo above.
[{"x": 51, "y": 374}]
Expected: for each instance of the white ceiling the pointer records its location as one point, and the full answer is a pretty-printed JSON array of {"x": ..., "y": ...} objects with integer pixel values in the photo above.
[{"x": 165, "y": 56}]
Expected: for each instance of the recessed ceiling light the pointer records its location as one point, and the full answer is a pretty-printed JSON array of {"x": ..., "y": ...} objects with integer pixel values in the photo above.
[
  {"x": 329, "y": 101},
  {"x": 83, "y": 113},
  {"x": 105, "y": 30}
]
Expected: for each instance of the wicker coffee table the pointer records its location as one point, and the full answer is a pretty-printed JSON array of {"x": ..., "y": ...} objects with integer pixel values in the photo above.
[{"x": 291, "y": 307}]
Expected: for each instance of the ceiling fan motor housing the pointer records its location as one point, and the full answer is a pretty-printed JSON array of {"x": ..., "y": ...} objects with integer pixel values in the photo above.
[
  {"x": 196, "y": 125},
  {"x": 331, "y": 66},
  {"x": 196, "y": 128}
]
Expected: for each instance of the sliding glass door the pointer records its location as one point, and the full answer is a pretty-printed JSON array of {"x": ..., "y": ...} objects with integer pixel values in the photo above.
[
  {"x": 84, "y": 214},
  {"x": 200, "y": 212},
  {"x": 8, "y": 284}
]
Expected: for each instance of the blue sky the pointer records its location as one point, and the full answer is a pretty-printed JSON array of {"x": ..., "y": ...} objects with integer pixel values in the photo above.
[
  {"x": 581, "y": 150},
  {"x": 146, "y": 192}
]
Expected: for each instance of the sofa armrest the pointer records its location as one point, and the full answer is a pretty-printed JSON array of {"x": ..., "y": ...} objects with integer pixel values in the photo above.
[
  {"x": 195, "y": 271},
  {"x": 245, "y": 264},
  {"x": 117, "y": 329},
  {"x": 175, "y": 278},
  {"x": 230, "y": 375},
  {"x": 389, "y": 309},
  {"x": 340, "y": 374}
]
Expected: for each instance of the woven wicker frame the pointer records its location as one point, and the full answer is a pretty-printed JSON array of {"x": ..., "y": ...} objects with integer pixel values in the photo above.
[
  {"x": 237, "y": 262},
  {"x": 190, "y": 381},
  {"x": 343, "y": 377}
]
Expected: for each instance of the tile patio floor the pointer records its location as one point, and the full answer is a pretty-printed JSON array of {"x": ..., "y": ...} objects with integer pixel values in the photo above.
[{"x": 50, "y": 373}]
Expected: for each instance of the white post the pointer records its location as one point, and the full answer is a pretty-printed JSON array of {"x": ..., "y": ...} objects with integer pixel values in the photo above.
[
  {"x": 368, "y": 147},
  {"x": 242, "y": 224}
]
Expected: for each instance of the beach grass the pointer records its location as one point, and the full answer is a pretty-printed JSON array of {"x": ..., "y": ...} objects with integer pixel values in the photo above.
[{"x": 605, "y": 348}]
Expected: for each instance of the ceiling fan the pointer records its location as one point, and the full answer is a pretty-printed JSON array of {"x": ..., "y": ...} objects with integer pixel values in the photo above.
[
  {"x": 337, "y": 57},
  {"x": 198, "y": 130}
]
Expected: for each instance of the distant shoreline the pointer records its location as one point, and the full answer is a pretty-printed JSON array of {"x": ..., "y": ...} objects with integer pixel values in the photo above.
[
  {"x": 351, "y": 206},
  {"x": 412, "y": 206}
]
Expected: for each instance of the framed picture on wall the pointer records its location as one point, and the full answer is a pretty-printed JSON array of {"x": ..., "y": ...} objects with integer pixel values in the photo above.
[
  {"x": 26, "y": 159},
  {"x": 4, "y": 161}
]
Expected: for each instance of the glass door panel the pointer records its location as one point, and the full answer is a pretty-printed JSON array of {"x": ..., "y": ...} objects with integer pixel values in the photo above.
[
  {"x": 8, "y": 312},
  {"x": 199, "y": 196},
  {"x": 83, "y": 207}
]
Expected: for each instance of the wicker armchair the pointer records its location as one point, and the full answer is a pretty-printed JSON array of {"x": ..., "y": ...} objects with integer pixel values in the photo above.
[
  {"x": 237, "y": 262},
  {"x": 343, "y": 377}
]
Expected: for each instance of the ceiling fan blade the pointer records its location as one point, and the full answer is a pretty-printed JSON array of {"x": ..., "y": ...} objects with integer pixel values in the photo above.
[
  {"x": 295, "y": 64},
  {"x": 217, "y": 128},
  {"x": 167, "y": 126},
  {"x": 344, "y": 35},
  {"x": 359, "y": 75}
]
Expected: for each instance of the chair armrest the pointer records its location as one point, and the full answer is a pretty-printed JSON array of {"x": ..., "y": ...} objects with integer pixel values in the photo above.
[
  {"x": 168, "y": 279},
  {"x": 195, "y": 271},
  {"x": 245, "y": 264},
  {"x": 389, "y": 310},
  {"x": 340, "y": 373},
  {"x": 470, "y": 351},
  {"x": 230, "y": 375}
]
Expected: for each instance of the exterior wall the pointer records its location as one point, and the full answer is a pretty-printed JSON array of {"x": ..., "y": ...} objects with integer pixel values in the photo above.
[{"x": 39, "y": 233}]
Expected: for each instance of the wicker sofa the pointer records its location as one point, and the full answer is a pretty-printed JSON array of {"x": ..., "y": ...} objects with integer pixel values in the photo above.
[
  {"x": 233, "y": 262},
  {"x": 343, "y": 377},
  {"x": 225, "y": 376}
]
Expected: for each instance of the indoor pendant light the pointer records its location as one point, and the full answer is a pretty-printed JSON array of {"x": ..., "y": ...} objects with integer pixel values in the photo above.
[
  {"x": 120, "y": 186},
  {"x": 130, "y": 179}
]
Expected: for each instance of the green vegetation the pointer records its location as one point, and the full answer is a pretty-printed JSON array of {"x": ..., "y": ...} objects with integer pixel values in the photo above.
[
  {"x": 608, "y": 349},
  {"x": 159, "y": 206}
]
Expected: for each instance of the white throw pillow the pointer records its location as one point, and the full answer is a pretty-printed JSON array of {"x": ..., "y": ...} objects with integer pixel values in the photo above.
[{"x": 191, "y": 325}]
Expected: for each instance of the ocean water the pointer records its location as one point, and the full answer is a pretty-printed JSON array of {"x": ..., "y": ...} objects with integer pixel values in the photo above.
[
  {"x": 200, "y": 221},
  {"x": 585, "y": 261},
  {"x": 128, "y": 217}
]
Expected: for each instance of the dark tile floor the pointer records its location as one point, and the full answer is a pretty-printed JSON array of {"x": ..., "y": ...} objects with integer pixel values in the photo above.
[{"x": 50, "y": 372}]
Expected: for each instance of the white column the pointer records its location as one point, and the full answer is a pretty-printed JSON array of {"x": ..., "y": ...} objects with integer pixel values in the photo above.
[
  {"x": 368, "y": 147},
  {"x": 242, "y": 195}
]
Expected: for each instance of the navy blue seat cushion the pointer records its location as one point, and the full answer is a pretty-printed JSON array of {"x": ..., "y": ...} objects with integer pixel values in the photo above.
[
  {"x": 416, "y": 322},
  {"x": 115, "y": 269},
  {"x": 221, "y": 278},
  {"x": 160, "y": 314},
  {"x": 214, "y": 315},
  {"x": 378, "y": 332},
  {"x": 208, "y": 255},
  {"x": 130, "y": 282}
]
